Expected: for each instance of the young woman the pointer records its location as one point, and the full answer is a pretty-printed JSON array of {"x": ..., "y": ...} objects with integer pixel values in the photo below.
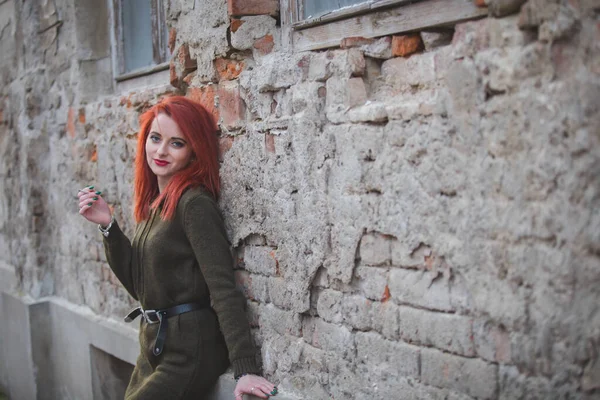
[{"x": 178, "y": 265}]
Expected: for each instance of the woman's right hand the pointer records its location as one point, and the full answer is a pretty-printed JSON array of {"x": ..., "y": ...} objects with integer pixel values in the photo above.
[{"x": 93, "y": 207}]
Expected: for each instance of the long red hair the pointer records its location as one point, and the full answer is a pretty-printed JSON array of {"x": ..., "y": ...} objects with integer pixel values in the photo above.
[{"x": 200, "y": 131}]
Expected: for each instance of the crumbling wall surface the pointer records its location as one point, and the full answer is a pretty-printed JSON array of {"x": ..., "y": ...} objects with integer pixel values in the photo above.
[{"x": 413, "y": 216}]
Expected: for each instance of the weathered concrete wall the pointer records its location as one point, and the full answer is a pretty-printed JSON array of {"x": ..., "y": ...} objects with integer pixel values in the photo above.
[{"x": 416, "y": 215}]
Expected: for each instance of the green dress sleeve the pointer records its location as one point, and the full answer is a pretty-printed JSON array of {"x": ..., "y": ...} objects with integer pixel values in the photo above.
[
  {"x": 119, "y": 256},
  {"x": 205, "y": 230}
]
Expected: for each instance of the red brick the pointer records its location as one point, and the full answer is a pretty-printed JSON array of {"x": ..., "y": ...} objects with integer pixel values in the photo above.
[
  {"x": 71, "y": 122},
  {"x": 187, "y": 63},
  {"x": 405, "y": 45},
  {"x": 481, "y": 3},
  {"x": 264, "y": 45},
  {"x": 239, "y": 8},
  {"x": 172, "y": 39},
  {"x": 228, "y": 69},
  {"x": 173, "y": 78},
  {"x": 355, "y": 41},
  {"x": 94, "y": 155},
  {"x": 189, "y": 77},
  {"x": 270, "y": 147},
  {"x": 386, "y": 294},
  {"x": 232, "y": 108},
  {"x": 206, "y": 96},
  {"x": 235, "y": 24},
  {"x": 81, "y": 115}
]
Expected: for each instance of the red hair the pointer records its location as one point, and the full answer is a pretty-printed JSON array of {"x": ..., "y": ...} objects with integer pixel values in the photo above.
[{"x": 200, "y": 131}]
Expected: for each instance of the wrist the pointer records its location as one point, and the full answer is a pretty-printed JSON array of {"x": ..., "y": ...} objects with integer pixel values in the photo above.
[
  {"x": 104, "y": 229},
  {"x": 237, "y": 378}
]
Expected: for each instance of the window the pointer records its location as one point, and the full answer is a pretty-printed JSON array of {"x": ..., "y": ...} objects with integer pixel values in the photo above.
[
  {"x": 141, "y": 37},
  {"x": 318, "y": 7},
  {"x": 318, "y": 24}
]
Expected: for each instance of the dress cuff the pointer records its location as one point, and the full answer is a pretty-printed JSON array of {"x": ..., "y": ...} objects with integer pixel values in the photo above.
[{"x": 245, "y": 366}]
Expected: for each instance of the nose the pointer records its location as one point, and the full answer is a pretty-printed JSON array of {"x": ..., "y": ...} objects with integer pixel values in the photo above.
[{"x": 162, "y": 149}]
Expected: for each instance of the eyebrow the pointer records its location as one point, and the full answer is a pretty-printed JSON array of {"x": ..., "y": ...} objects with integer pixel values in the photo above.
[{"x": 174, "y": 137}]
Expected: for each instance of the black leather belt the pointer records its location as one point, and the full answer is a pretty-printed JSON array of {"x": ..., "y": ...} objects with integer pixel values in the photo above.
[{"x": 160, "y": 317}]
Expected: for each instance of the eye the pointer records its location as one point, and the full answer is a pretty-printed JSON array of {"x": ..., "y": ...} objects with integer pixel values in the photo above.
[
  {"x": 154, "y": 138},
  {"x": 178, "y": 145}
]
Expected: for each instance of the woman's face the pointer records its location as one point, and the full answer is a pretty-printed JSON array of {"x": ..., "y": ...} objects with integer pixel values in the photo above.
[{"x": 167, "y": 152}]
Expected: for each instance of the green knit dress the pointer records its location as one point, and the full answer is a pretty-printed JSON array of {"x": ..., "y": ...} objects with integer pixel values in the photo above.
[{"x": 180, "y": 261}]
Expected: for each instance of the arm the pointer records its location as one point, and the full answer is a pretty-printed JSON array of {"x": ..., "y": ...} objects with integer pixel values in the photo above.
[
  {"x": 117, "y": 248},
  {"x": 205, "y": 230},
  {"x": 116, "y": 245}
]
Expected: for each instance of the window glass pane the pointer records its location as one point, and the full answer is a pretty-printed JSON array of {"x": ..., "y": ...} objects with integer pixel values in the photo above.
[
  {"x": 314, "y": 8},
  {"x": 137, "y": 34}
]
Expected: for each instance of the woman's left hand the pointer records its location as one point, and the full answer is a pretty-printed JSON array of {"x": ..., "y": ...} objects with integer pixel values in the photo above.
[{"x": 254, "y": 385}]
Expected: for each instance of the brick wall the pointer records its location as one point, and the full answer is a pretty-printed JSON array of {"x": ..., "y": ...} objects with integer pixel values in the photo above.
[{"x": 413, "y": 216}]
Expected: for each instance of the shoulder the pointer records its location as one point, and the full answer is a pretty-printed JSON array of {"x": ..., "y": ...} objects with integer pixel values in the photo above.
[
  {"x": 196, "y": 195},
  {"x": 195, "y": 200}
]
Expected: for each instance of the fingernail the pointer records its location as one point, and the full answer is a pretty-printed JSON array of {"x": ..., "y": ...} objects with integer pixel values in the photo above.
[
  {"x": 90, "y": 187},
  {"x": 89, "y": 204},
  {"x": 98, "y": 192},
  {"x": 95, "y": 198}
]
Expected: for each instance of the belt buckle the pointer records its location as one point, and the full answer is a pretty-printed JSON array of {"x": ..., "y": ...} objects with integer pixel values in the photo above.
[{"x": 151, "y": 316}]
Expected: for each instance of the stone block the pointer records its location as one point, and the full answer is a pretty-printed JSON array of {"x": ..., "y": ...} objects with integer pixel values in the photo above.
[
  {"x": 343, "y": 94},
  {"x": 492, "y": 341},
  {"x": 318, "y": 68},
  {"x": 252, "y": 29},
  {"x": 375, "y": 249},
  {"x": 369, "y": 112},
  {"x": 280, "y": 294},
  {"x": 372, "y": 282},
  {"x": 386, "y": 319},
  {"x": 346, "y": 63},
  {"x": 356, "y": 312},
  {"x": 468, "y": 375},
  {"x": 502, "y": 8},
  {"x": 332, "y": 338},
  {"x": 380, "y": 48},
  {"x": 255, "y": 287},
  {"x": 381, "y": 354},
  {"x": 416, "y": 70},
  {"x": 433, "y": 39},
  {"x": 448, "y": 332},
  {"x": 417, "y": 288},
  {"x": 356, "y": 93},
  {"x": 409, "y": 255},
  {"x": 261, "y": 259},
  {"x": 329, "y": 305},
  {"x": 237, "y": 8},
  {"x": 282, "y": 322}
]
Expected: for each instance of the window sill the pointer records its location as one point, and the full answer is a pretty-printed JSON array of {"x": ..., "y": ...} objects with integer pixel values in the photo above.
[
  {"x": 347, "y": 12},
  {"x": 143, "y": 72},
  {"x": 315, "y": 34}
]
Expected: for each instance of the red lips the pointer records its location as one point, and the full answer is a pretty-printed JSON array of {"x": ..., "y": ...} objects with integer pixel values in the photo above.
[{"x": 161, "y": 163}]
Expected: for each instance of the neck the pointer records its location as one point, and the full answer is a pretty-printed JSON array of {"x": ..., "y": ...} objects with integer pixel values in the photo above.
[{"x": 162, "y": 184}]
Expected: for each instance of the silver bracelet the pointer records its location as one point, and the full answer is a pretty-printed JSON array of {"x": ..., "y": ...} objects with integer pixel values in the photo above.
[{"x": 105, "y": 231}]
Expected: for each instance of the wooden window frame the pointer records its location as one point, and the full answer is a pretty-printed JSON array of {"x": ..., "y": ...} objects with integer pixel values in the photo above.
[
  {"x": 369, "y": 20},
  {"x": 160, "y": 52}
]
